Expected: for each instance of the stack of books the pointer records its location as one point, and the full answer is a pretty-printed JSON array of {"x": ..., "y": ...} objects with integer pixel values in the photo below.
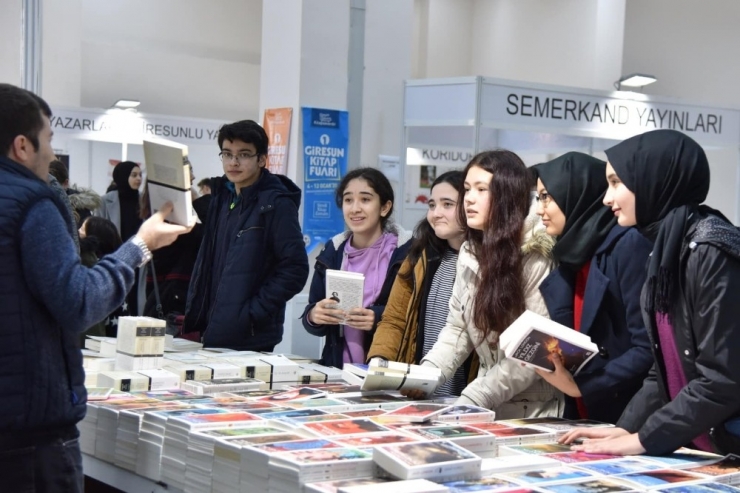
[
  {"x": 438, "y": 460},
  {"x": 290, "y": 470},
  {"x": 220, "y": 385},
  {"x": 105, "y": 347},
  {"x": 177, "y": 437},
  {"x": 140, "y": 343},
  {"x": 380, "y": 374}
]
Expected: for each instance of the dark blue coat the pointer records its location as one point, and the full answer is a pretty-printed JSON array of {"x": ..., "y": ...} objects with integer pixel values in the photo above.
[
  {"x": 612, "y": 318},
  {"x": 331, "y": 258},
  {"x": 264, "y": 265},
  {"x": 42, "y": 380}
]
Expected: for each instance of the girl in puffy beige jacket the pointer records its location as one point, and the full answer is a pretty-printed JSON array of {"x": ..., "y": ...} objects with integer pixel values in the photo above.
[{"x": 499, "y": 271}]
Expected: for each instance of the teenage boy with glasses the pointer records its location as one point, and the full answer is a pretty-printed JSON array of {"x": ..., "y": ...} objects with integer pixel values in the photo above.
[{"x": 252, "y": 259}]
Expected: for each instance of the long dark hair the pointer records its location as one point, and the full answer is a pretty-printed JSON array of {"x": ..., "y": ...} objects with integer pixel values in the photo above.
[
  {"x": 424, "y": 235},
  {"x": 499, "y": 294}
]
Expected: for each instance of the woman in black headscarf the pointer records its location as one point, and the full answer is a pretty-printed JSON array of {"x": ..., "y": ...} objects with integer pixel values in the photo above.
[
  {"x": 596, "y": 287},
  {"x": 121, "y": 207},
  {"x": 657, "y": 181}
]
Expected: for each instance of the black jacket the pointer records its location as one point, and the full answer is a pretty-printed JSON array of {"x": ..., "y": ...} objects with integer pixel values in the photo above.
[
  {"x": 706, "y": 324},
  {"x": 612, "y": 318},
  {"x": 331, "y": 258},
  {"x": 265, "y": 265}
]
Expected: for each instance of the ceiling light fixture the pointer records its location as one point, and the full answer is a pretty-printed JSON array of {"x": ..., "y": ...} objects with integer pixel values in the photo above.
[
  {"x": 125, "y": 104},
  {"x": 634, "y": 80}
]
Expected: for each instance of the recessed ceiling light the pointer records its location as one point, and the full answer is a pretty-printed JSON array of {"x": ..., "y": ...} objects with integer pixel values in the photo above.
[{"x": 126, "y": 103}]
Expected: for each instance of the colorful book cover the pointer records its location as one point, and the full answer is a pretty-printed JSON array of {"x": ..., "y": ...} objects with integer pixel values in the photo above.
[
  {"x": 423, "y": 453},
  {"x": 415, "y": 412},
  {"x": 253, "y": 441},
  {"x": 659, "y": 477},
  {"x": 700, "y": 488},
  {"x": 506, "y": 432},
  {"x": 304, "y": 444},
  {"x": 334, "y": 486},
  {"x": 548, "y": 475},
  {"x": 684, "y": 458},
  {"x": 374, "y": 439},
  {"x": 372, "y": 399},
  {"x": 242, "y": 432},
  {"x": 489, "y": 484},
  {"x": 319, "y": 402},
  {"x": 728, "y": 465},
  {"x": 345, "y": 427},
  {"x": 331, "y": 387},
  {"x": 217, "y": 418},
  {"x": 595, "y": 486},
  {"x": 535, "y": 421},
  {"x": 537, "y": 347},
  {"x": 366, "y": 413},
  {"x": 447, "y": 432},
  {"x": 293, "y": 413},
  {"x": 540, "y": 448},
  {"x": 252, "y": 394},
  {"x": 299, "y": 421},
  {"x": 270, "y": 410},
  {"x": 467, "y": 413},
  {"x": 576, "y": 457},
  {"x": 324, "y": 455},
  {"x": 619, "y": 466},
  {"x": 293, "y": 394}
]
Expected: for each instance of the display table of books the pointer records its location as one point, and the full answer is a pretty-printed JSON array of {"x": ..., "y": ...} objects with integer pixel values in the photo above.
[{"x": 276, "y": 434}]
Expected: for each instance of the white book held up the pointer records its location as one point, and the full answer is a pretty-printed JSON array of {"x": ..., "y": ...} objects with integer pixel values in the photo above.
[
  {"x": 168, "y": 179},
  {"x": 346, "y": 288},
  {"x": 532, "y": 339}
]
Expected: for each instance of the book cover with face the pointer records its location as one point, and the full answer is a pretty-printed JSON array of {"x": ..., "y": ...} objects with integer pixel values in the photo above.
[
  {"x": 346, "y": 427},
  {"x": 423, "y": 453},
  {"x": 374, "y": 439}
]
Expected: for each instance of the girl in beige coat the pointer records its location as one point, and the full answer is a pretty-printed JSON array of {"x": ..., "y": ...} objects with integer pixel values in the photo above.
[{"x": 499, "y": 271}]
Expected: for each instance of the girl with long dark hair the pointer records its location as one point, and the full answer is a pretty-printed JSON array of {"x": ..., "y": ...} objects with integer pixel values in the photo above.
[
  {"x": 657, "y": 182},
  {"x": 374, "y": 246},
  {"x": 596, "y": 287},
  {"x": 500, "y": 267},
  {"x": 418, "y": 304}
]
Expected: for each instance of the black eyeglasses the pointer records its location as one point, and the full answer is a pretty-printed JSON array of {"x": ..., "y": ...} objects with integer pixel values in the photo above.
[{"x": 241, "y": 157}]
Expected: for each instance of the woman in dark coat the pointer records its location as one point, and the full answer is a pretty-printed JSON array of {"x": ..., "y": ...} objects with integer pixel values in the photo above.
[
  {"x": 596, "y": 287},
  {"x": 658, "y": 181}
]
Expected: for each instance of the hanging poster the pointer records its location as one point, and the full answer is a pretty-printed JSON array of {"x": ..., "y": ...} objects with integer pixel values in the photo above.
[
  {"x": 325, "y": 151},
  {"x": 276, "y": 123}
]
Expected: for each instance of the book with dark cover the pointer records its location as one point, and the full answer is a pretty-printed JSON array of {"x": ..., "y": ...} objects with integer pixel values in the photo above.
[{"x": 535, "y": 340}]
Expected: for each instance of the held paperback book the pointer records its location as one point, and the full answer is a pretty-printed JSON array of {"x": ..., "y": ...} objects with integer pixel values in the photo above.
[
  {"x": 346, "y": 288},
  {"x": 168, "y": 178},
  {"x": 535, "y": 340}
]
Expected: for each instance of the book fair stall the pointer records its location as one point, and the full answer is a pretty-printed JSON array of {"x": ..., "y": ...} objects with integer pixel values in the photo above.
[{"x": 447, "y": 121}]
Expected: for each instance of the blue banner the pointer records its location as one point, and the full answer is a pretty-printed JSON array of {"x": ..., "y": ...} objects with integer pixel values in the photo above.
[{"x": 325, "y": 154}]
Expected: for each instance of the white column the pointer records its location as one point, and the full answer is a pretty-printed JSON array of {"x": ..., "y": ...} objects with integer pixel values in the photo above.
[
  {"x": 304, "y": 62},
  {"x": 10, "y": 41}
]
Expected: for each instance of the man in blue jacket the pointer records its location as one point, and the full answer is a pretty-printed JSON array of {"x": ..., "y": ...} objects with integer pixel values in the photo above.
[
  {"x": 253, "y": 258},
  {"x": 47, "y": 298}
]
